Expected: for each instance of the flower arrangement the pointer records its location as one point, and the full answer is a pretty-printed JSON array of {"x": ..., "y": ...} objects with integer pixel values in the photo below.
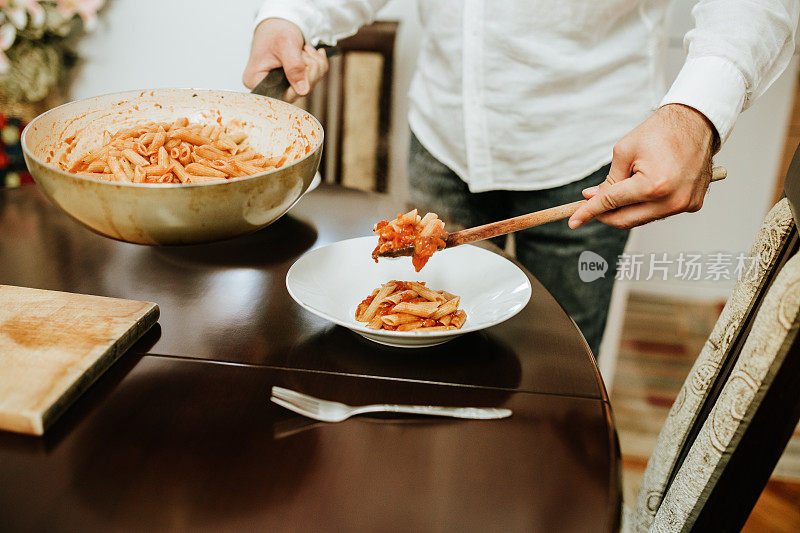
[
  {"x": 13, "y": 172},
  {"x": 34, "y": 43}
]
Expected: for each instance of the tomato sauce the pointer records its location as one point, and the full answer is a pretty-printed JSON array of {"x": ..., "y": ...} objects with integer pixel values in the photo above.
[{"x": 403, "y": 234}]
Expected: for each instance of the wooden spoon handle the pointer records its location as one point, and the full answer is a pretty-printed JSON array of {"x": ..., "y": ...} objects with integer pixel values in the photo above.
[{"x": 502, "y": 227}]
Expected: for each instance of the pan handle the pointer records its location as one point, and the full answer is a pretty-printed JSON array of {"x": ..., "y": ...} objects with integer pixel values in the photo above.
[{"x": 275, "y": 83}]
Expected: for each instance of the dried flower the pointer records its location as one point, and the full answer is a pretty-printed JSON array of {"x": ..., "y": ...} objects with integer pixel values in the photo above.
[
  {"x": 35, "y": 11},
  {"x": 15, "y": 14},
  {"x": 27, "y": 25},
  {"x": 33, "y": 71},
  {"x": 7, "y": 35},
  {"x": 86, "y": 9}
]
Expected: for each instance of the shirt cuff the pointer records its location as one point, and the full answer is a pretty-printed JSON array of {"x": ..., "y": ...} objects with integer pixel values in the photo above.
[
  {"x": 713, "y": 86},
  {"x": 301, "y": 13}
]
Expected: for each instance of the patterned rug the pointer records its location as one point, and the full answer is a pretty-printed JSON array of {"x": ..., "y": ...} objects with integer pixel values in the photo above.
[{"x": 661, "y": 339}]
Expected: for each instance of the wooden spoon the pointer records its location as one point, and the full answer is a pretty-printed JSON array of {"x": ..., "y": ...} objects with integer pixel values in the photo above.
[{"x": 510, "y": 225}]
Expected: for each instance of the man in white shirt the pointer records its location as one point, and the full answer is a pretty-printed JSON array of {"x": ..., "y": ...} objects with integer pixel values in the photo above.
[{"x": 519, "y": 105}]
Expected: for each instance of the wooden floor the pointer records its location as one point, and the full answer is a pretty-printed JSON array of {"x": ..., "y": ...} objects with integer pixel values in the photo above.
[
  {"x": 778, "y": 509},
  {"x": 660, "y": 340}
]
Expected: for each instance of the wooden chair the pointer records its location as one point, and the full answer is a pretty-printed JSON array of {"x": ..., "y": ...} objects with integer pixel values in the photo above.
[
  {"x": 740, "y": 403},
  {"x": 354, "y": 104}
]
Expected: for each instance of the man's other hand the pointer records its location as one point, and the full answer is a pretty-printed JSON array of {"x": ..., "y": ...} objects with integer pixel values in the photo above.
[
  {"x": 280, "y": 43},
  {"x": 661, "y": 168}
]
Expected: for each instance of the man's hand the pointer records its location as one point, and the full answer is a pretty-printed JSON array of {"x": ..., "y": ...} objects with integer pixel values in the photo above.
[
  {"x": 661, "y": 168},
  {"x": 280, "y": 43}
]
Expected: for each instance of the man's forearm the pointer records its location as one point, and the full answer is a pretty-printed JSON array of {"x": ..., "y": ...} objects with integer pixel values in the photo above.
[
  {"x": 736, "y": 50},
  {"x": 323, "y": 20}
]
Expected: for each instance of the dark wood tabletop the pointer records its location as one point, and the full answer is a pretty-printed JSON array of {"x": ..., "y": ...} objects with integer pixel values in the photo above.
[{"x": 179, "y": 434}]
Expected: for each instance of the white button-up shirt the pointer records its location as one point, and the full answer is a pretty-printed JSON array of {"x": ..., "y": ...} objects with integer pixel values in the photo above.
[{"x": 523, "y": 95}]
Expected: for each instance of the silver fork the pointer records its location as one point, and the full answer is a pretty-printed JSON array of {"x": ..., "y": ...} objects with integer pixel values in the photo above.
[{"x": 328, "y": 411}]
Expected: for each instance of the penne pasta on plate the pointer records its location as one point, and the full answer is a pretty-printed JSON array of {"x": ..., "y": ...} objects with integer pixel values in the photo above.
[
  {"x": 410, "y": 306},
  {"x": 173, "y": 152}
]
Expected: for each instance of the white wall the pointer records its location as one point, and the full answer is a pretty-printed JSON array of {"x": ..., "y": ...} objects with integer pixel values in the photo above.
[
  {"x": 205, "y": 43},
  {"x": 142, "y": 44},
  {"x": 734, "y": 208}
]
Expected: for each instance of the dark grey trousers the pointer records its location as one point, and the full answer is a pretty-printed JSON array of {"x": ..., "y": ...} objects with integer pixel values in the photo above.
[{"x": 550, "y": 251}]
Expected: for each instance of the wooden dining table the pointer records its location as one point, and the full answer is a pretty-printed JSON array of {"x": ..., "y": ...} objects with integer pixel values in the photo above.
[{"x": 179, "y": 434}]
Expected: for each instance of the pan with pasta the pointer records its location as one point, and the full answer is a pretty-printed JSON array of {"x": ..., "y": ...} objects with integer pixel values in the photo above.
[{"x": 174, "y": 166}]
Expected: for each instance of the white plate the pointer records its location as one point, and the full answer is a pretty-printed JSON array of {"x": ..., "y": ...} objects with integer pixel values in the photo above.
[{"x": 331, "y": 282}]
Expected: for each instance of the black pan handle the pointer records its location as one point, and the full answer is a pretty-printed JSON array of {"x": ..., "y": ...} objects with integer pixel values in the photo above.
[{"x": 275, "y": 83}]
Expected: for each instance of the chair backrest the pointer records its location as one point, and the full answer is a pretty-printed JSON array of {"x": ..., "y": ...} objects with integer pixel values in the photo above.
[
  {"x": 737, "y": 408},
  {"x": 739, "y": 444},
  {"x": 354, "y": 106}
]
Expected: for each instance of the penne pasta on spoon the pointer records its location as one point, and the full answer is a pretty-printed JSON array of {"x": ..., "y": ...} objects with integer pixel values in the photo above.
[{"x": 407, "y": 235}]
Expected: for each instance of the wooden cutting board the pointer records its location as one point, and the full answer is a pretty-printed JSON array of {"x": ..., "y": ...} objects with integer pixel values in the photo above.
[{"x": 53, "y": 345}]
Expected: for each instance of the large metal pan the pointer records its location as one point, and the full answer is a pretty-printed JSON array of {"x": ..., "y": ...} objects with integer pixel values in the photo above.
[{"x": 174, "y": 214}]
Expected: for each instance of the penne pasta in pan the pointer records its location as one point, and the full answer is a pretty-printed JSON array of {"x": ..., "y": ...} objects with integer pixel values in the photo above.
[{"x": 174, "y": 152}]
